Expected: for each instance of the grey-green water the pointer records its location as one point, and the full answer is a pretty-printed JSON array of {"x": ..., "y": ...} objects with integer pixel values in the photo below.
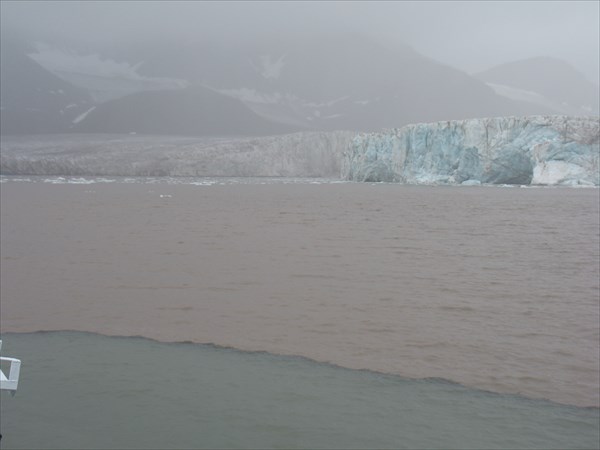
[{"x": 82, "y": 390}]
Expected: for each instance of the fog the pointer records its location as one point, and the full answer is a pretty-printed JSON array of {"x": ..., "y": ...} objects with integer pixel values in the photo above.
[
  {"x": 469, "y": 35},
  {"x": 239, "y": 69}
]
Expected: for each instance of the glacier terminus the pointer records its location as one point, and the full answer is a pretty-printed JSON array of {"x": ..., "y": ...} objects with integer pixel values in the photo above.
[
  {"x": 530, "y": 150},
  {"x": 527, "y": 150}
]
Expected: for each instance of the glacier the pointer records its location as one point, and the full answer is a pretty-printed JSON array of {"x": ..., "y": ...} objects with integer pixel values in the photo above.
[
  {"x": 304, "y": 154},
  {"x": 531, "y": 150}
]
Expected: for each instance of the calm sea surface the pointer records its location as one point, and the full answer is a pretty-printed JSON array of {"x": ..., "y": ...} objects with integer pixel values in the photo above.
[
  {"x": 81, "y": 390},
  {"x": 494, "y": 288}
]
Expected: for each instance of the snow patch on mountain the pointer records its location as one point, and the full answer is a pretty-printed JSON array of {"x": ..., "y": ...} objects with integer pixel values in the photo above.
[
  {"x": 105, "y": 78},
  {"x": 285, "y": 107},
  {"x": 82, "y": 116},
  {"x": 326, "y": 104},
  {"x": 524, "y": 95},
  {"x": 59, "y": 60},
  {"x": 249, "y": 95},
  {"x": 270, "y": 68},
  {"x": 519, "y": 94}
]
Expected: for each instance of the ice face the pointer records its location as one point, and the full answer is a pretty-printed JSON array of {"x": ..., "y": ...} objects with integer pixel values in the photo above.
[
  {"x": 306, "y": 154},
  {"x": 528, "y": 150},
  {"x": 505, "y": 150}
]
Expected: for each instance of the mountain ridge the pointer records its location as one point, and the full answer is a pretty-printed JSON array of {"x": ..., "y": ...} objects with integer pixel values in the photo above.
[
  {"x": 344, "y": 82},
  {"x": 556, "y": 83}
]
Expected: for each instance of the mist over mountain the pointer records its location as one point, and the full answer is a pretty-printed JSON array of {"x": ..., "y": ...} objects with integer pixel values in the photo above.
[
  {"x": 325, "y": 82},
  {"x": 188, "y": 112},
  {"x": 547, "y": 81},
  {"x": 32, "y": 99}
]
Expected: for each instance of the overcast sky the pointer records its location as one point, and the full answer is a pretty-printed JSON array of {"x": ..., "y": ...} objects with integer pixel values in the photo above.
[{"x": 469, "y": 35}]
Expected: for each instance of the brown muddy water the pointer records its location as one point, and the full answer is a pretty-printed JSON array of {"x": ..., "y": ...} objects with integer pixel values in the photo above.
[{"x": 494, "y": 288}]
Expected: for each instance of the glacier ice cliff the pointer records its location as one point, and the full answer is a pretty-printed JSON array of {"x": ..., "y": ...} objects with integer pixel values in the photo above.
[
  {"x": 306, "y": 154},
  {"x": 536, "y": 150},
  {"x": 540, "y": 150}
]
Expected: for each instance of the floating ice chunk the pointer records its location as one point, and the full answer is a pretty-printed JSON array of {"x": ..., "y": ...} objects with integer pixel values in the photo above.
[{"x": 471, "y": 183}]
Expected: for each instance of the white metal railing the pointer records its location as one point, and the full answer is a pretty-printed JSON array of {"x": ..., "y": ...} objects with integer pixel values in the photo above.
[{"x": 12, "y": 382}]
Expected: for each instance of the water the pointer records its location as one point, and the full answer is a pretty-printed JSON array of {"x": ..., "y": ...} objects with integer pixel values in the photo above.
[
  {"x": 493, "y": 288},
  {"x": 81, "y": 390}
]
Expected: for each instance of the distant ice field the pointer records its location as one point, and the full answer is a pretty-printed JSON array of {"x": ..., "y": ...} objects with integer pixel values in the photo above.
[{"x": 192, "y": 181}]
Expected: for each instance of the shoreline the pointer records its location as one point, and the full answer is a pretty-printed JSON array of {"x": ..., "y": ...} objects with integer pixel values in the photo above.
[{"x": 254, "y": 180}]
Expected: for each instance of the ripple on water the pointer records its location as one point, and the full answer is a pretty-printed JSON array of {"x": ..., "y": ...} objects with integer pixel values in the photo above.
[{"x": 76, "y": 386}]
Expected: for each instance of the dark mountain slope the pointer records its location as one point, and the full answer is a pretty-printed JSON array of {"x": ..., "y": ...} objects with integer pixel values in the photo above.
[
  {"x": 192, "y": 112},
  {"x": 335, "y": 82},
  {"x": 552, "y": 78},
  {"x": 33, "y": 100}
]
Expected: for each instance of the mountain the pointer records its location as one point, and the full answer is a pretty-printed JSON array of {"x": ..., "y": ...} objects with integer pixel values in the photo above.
[
  {"x": 190, "y": 112},
  {"x": 545, "y": 81},
  {"x": 102, "y": 76},
  {"x": 32, "y": 99},
  {"x": 334, "y": 82},
  {"x": 323, "y": 83}
]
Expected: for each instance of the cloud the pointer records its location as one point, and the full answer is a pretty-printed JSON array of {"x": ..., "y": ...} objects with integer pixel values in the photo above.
[{"x": 467, "y": 34}]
